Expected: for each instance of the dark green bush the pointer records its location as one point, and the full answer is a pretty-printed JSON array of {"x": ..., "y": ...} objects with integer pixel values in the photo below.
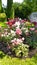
[
  {"x": 23, "y": 11},
  {"x": 32, "y": 40}
]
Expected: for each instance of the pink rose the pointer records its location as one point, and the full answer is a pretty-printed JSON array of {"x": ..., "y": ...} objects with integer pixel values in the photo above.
[
  {"x": 22, "y": 21},
  {"x": 18, "y": 31},
  {"x": 32, "y": 29},
  {"x": 16, "y": 41}
]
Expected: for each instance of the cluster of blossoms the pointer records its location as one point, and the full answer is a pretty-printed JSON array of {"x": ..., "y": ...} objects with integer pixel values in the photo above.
[
  {"x": 19, "y": 35},
  {"x": 15, "y": 22},
  {"x": 16, "y": 28},
  {"x": 17, "y": 41}
]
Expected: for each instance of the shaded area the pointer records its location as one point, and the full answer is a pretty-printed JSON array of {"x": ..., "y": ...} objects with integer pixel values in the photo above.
[{"x": 7, "y": 51}]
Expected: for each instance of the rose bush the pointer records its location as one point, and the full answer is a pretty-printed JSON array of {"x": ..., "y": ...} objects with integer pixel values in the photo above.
[{"x": 20, "y": 35}]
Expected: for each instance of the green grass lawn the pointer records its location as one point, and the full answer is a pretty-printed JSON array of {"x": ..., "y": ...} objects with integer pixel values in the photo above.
[{"x": 7, "y": 60}]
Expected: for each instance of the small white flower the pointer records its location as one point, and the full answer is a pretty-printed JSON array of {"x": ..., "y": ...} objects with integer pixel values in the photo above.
[
  {"x": 17, "y": 24},
  {"x": 19, "y": 40},
  {"x": 27, "y": 31},
  {"x": 23, "y": 38},
  {"x": 2, "y": 35},
  {"x": 12, "y": 31},
  {"x": 14, "y": 38},
  {"x": 12, "y": 41},
  {"x": 20, "y": 19}
]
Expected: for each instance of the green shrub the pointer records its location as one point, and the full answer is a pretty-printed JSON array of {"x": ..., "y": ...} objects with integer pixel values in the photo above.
[
  {"x": 23, "y": 11},
  {"x": 2, "y": 16},
  {"x": 32, "y": 39},
  {"x": 21, "y": 50},
  {"x": 5, "y": 39}
]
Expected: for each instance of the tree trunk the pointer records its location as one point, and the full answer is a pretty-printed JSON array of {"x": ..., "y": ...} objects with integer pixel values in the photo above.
[
  {"x": 0, "y": 6},
  {"x": 10, "y": 9}
]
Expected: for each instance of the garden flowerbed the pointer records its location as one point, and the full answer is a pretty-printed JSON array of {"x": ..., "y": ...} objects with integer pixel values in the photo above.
[
  {"x": 18, "y": 38},
  {"x": 9, "y": 52}
]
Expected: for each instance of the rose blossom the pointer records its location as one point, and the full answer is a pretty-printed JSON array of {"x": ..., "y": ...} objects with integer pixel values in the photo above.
[
  {"x": 18, "y": 31},
  {"x": 10, "y": 23},
  {"x": 22, "y": 21},
  {"x": 16, "y": 41},
  {"x": 32, "y": 29}
]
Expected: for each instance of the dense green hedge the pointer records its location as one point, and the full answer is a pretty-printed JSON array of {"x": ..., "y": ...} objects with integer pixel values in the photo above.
[{"x": 23, "y": 11}]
